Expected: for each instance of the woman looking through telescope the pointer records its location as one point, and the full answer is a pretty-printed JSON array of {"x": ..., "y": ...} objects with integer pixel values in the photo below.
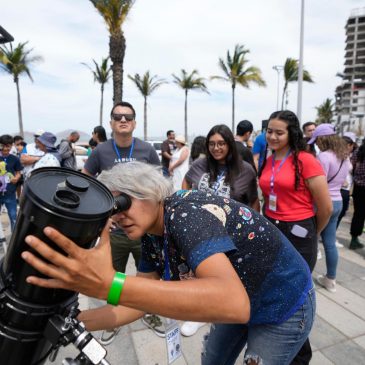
[{"x": 249, "y": 279}]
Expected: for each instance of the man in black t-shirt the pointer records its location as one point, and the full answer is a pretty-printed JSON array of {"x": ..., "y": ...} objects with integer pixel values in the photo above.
[
  {"x": 243, "y": 133},
  {"x": 167, "y": 149},
  {"x": 122, "y": 148}
]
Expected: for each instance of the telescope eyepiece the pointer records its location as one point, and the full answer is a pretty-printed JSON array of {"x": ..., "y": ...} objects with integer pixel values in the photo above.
[{"x": 122, "y": 203}]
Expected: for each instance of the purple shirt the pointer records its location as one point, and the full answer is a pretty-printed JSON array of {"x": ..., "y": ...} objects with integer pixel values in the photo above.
[{"x": 331, "y": 164}]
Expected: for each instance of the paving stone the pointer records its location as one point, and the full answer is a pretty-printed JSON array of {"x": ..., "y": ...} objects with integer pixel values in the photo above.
[
  {"x": 347, "y": 299},
  {"x": 151, "y": 349},
  {"x": 360, "y": 341},
  {"x": 324, "y": 335},
  {"x": 342, "y": 353},
  {"x": 356, "y": 285},
  {"x": 319, "y": 359},
  {"x": 340, "y": 318}
]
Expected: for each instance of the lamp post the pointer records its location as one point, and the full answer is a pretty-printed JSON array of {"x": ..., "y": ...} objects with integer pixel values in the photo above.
[
  {"x": 300, "y": 69},
  {"x": 278, "y": 69}
]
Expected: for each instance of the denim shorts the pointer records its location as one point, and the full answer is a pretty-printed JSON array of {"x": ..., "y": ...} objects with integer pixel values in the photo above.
[{"x": 267, "y": 344}]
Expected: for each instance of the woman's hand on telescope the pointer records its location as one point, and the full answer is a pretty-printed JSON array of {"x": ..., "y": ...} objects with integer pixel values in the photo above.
[{"x": 88, "y": 271}]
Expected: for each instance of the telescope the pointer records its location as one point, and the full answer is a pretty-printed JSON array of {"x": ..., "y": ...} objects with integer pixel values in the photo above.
[{"x": 35, "y": 322}]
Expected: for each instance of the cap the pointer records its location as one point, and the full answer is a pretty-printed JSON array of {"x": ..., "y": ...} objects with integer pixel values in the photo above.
[
  {"x": 324, "y": 129},
  {"x": 350, "y": 135},
  {"x": 48, "y": 139},
  {"x": 180, "y": 139},
  {"x": 38, "y": 133}
]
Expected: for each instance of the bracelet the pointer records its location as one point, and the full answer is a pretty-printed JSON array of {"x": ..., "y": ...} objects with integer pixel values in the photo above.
[{"x": 116, "y": 288}]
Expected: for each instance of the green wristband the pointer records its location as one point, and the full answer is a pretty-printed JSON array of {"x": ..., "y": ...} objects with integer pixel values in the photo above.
[{"x": 116, "y": 288}]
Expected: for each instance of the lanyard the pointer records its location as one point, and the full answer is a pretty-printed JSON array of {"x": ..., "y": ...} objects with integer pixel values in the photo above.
[
  {"x": 273, "y": 173},
  {"x": 117, "y": 151}
]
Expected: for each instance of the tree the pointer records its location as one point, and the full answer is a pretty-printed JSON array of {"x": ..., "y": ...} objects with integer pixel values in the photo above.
[
  {"x": 17, "y": 61},
  {"x": 146, "y": 85},
  {"x": 114, "y": 13},
  {"x": 237, "y": 73},
  {"x": 189, "y": 82},
  {"x": 101, "y": 75},
  {"x": 291, "y": 71},
  {"x": 325, "y": 112}
]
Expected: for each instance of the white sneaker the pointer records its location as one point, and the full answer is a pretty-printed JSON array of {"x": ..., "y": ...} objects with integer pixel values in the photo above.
[
  {"x": 108, "y": 336},
  {"x": 339, "y": 245},
  {"x": 190, "y": 328},
  {"x": 319, "y": 255},
  {"x": 329, "y": 284}
]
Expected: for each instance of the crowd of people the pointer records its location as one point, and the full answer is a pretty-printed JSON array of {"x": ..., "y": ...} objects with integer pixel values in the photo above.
[{"x": 242, "y": 219}]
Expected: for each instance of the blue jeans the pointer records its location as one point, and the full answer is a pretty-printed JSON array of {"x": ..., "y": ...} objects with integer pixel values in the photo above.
[
  {"x": 10, "y": 202},
  {"x": 329, "y": 240},
  {"x": 266, "y": 344}
]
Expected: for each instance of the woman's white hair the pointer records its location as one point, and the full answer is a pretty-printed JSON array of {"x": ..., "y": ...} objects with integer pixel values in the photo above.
[{"x": 138, "y": 180}]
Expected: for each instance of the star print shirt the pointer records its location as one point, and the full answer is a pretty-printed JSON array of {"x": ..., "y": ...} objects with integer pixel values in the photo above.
[{"x": 199, "y": 225}]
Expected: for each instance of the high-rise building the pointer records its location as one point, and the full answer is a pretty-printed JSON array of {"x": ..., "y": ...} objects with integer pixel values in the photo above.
[{"x": 350, "y": 95}]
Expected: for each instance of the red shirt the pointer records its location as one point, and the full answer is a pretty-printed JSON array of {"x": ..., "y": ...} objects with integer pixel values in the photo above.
[{"x": 291, "y": 205}]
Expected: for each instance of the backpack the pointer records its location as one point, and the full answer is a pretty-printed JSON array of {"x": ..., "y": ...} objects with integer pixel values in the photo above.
[{"x": 62, "y": 161}]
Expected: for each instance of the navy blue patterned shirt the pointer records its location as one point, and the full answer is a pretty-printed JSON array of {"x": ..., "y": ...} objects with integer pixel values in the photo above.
[{"x": 199, "y": 225}]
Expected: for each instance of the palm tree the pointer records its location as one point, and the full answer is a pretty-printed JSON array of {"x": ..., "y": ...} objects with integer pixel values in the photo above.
[
  {"x": 101, "y": 75},
  {"x": 236, "y": 72},
  {"x": 17, "y": 61},
  {"x": 114, "y": 13},
  {"x": 146, "y": 85},
  {"x": 325, "y": 112},
  {"x": 291, "y": 75},
  {"x": 189, "y": 82}
]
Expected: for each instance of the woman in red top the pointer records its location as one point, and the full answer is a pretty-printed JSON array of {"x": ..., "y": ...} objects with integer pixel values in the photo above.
[{"x": 295, "y": 191}]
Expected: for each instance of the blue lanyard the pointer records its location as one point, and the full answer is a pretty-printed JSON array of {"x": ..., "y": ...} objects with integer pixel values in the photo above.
[
  {"x": 273, "y": 173},
  {"x": 117, "y": 151}
]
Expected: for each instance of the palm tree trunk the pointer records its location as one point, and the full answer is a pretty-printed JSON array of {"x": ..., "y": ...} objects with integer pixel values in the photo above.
[
  {"x": 20, "y": 117},
  {"x": 101, "y": 104},
  {"x": 117, "y": 48},
  {"x": 145, "y": 118},
  {"x": 186, "y": 115},
  {"x": 283, "y": 97},
  {"x": 233, "y": 107}
]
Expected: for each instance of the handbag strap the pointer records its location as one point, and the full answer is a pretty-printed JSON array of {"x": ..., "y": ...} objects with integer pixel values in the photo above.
[{"x": 328, "y": 181}]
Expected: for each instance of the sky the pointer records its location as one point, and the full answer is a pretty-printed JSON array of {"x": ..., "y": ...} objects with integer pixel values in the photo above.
[{"x": 165, "y": 36}]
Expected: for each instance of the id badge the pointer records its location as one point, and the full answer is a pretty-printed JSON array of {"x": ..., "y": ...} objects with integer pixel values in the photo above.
[
  {"x": 272, "y": 202},
  {"x": 173, "y": 341}
]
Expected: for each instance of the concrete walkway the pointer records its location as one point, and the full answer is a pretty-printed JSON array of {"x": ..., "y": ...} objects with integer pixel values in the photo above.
[{"x": 338, "y": 336}]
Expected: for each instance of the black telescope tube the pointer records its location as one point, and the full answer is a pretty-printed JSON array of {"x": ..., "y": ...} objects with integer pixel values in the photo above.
[{"x": 79, "y": 207}]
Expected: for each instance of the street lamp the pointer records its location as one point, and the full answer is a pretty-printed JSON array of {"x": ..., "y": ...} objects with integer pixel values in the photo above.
[
  {"x": 300, "y": 69},
  {"x": 278, "y": 69}
]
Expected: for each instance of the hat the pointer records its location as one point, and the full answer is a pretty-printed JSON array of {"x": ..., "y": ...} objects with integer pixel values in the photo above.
[
  {"x": 48, "y": 139},
  {"x": 324, "y": 129},
  {"x": 350, "y": 135},
  {"x": 38, "y": 133},
  {"x": 180, "y": 139}
]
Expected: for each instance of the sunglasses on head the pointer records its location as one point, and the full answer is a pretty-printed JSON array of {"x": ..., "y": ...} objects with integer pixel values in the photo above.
[{"x": 119, "y": 117}]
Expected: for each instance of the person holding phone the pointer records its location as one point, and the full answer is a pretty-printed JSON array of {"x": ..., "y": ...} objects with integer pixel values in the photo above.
[{"x": 295, "y": 192}]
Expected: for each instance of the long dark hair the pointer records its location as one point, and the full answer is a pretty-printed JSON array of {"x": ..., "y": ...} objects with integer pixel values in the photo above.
[
  {"x": 296, "y": 141},
  {"x": 100, "y": 131},
  {"x": 233, "y": 161},
  {"x": 198, "y": 147}
]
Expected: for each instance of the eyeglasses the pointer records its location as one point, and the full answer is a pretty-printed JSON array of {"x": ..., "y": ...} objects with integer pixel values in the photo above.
[
  {"x": 219, "y": 144},
  {"x": 119, "y": 117}
]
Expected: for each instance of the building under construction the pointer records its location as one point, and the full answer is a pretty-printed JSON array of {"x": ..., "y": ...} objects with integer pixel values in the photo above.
[{"x": 350, "y": 95}]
